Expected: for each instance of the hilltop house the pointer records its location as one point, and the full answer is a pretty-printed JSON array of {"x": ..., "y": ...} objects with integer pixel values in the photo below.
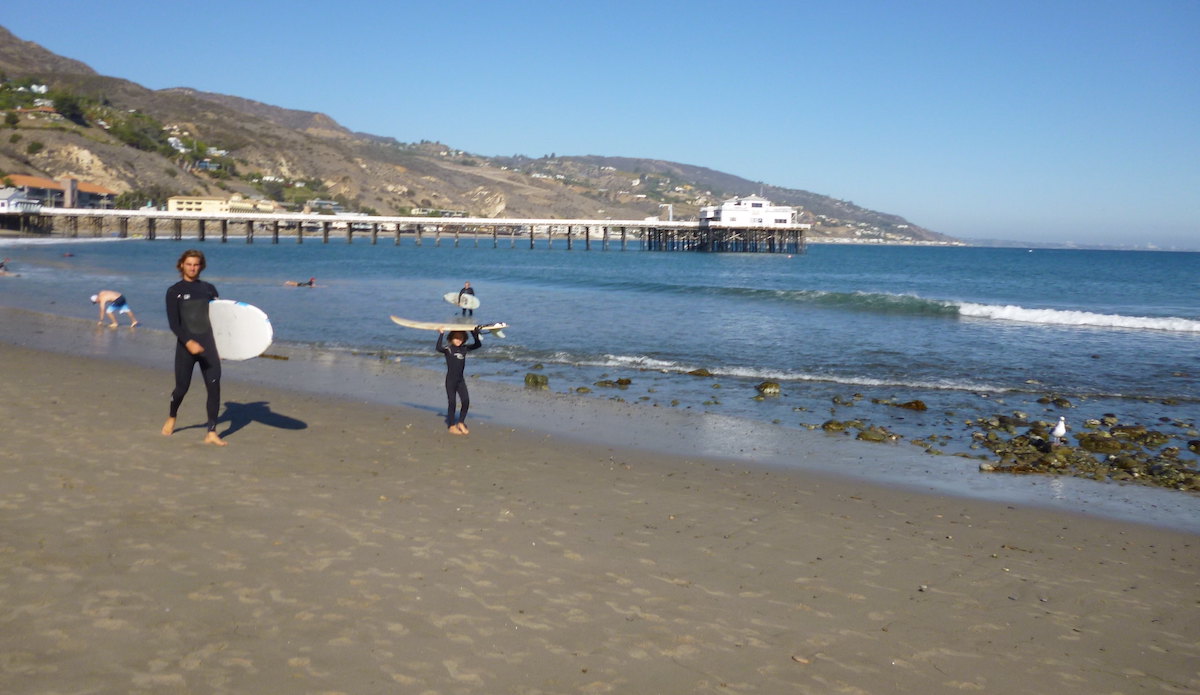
[
  {"x": 68, "y": 192},
  {"x": 749, "y": 211}
]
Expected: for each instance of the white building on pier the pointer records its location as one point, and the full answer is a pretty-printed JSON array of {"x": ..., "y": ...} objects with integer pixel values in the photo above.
[{"x": 749, "y": 211}]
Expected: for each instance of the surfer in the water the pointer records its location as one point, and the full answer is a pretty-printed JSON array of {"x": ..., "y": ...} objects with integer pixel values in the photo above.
[
  {"x": 312, "y": 282},
  {"x": 456, "y": 383},
  {"x": 466, "y": 289},
  {"x": 187, "y": 315}
]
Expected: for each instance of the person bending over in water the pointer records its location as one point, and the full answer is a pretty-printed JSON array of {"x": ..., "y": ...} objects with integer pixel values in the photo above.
[
  {"x": 187, "y": 315},
  {"x": 312, "y": 282},
  {"x": 456, "y": 383},
  {"x": 113, "y": 303}
]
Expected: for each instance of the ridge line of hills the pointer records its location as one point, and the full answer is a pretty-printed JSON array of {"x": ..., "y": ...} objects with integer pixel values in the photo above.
[{"x": 151, "y": 144}]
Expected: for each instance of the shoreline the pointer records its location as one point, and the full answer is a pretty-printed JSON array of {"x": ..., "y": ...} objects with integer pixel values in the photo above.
[
  {"x": 819, "y": 388},
  {"x": 563, "y": 416},
  {"x": 347, "y": 546}
]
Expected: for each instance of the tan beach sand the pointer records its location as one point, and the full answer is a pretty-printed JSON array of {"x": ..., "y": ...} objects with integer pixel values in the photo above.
[{"x": 338, "y": 547}]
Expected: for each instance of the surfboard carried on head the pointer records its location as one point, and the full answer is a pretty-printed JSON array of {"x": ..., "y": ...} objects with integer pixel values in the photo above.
[
  {"x": 496, "y": 329},
  {"x": 463, "y": 301},
  {"x": 241, "y": 330}
]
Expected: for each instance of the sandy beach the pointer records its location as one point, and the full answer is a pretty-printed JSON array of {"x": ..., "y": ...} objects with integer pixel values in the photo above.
[{"x": 348, "y": 547}]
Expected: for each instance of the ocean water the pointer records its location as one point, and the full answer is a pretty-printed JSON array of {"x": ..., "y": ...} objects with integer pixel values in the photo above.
[{"x": 847, "y": 331}]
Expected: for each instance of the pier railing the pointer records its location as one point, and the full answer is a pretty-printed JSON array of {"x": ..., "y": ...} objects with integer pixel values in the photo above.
[{"x": 646, "y": 235}]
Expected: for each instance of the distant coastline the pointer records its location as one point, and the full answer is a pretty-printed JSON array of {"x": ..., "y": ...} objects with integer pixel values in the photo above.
[{"x": 999, "y": 244}]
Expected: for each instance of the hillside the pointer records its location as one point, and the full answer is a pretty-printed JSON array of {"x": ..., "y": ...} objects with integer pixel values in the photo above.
[{"x": 119, "y": 139}]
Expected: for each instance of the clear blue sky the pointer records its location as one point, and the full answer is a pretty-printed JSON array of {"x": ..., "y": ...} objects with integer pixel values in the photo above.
[{"x": 1071, "y": 120}]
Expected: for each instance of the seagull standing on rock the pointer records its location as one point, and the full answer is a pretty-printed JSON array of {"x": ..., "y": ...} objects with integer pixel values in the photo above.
[{"x": 1059, "y": 433}]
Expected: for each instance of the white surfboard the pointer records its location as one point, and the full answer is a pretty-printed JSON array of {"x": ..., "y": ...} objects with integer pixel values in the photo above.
[
  {"x": 468, "y": 301},
  {"x": 496, "y": 329},
  {"x": 242, "y": 331}
]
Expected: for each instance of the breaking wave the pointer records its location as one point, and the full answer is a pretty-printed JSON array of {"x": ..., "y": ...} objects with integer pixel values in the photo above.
[{"x": 1059, "y": 317}]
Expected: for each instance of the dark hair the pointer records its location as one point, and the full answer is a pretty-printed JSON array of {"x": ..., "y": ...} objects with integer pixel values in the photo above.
[
  {"x": 461, "y": 335},
  {"x": 191, "y": 253}
]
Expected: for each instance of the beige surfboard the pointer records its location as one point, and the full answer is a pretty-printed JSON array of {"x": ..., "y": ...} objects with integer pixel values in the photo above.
[{"x": 496, "y": 329}]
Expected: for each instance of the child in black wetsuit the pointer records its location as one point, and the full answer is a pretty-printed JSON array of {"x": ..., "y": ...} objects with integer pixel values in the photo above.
[
  {"x": 187, "y": 315},
  {"x": 456, "y": 383}
]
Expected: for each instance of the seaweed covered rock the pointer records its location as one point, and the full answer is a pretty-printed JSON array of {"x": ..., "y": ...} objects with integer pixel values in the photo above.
[
  {"x": 876, "y": 433},
  {"x": 1100, "y": 443}
]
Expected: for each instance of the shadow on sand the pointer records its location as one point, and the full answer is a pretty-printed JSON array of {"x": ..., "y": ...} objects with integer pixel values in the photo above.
[{"x": 239, "y": 415}]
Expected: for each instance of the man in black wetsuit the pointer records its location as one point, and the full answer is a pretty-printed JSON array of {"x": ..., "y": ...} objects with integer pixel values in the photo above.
[
  {"x": 466, "y": 289},
  {"x": 187, "y": 315},
  {"x": 456, "y": 383}
]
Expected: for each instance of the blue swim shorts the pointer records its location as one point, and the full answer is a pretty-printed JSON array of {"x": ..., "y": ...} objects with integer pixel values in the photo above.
[{"x": 118, "y": 305}]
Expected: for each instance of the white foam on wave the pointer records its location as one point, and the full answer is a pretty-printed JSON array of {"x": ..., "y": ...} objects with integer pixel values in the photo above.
[
  {"x": 1059, "y": 317},
  {"x": 933, "y": 385},
  {"x": 632, "y": 361},
  {"x": 649, "y": 363},
  {"x": 56, "y": 241}
]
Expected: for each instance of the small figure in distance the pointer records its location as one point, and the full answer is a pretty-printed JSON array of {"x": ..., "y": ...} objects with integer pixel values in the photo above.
[
  {"x": 456, "y": 383},
  {"x": 312, "y": 282},
  {"x": 113, "y": 303},
  {"x": 466, "y": 289},
  {"x": 4, "y": 266}
]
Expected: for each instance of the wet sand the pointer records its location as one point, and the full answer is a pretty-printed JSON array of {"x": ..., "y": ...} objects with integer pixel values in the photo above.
[{"x": 340, "y": 546}]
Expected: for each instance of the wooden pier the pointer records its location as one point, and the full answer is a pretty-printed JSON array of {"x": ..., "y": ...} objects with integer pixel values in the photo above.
[
  {"x": 724, "y": 239},
  {"x": 644, "y": 235}
]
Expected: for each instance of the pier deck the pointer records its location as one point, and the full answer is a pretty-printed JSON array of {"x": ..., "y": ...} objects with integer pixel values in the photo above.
[{"x": 645, "y": 235}]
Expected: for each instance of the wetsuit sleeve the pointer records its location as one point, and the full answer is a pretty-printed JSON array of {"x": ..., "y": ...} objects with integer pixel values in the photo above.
[
  {"x": 478, "y": 343},
  {"x": 173, "y": 320},
  {"x": 439, "y": 347}
]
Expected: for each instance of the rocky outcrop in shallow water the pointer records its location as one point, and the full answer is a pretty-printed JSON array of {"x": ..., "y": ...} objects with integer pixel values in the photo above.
[
  {"x": 1103, "y": 449},
  {"x": 1108, "y": 451}
]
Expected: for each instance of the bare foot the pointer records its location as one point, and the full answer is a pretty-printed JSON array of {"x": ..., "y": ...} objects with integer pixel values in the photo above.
[
  {"x": 114, "y": 325},
  {"x": 462, "y": 428},
  {"x": 453, "y": 429},
  {"x": 134, "y": 324},
  {"x": 212, "y": 438},
  {"x": 169, "y": 427}
]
